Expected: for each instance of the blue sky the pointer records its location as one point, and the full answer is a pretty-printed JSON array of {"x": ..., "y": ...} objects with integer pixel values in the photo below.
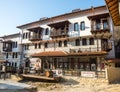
[{"x": 17, "y": 12}]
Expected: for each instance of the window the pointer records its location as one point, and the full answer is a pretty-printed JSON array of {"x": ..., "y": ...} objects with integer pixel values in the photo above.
[
  {"x": 14, "y": 44},
  {"x": 60, "y": 44},
  {"x": 6, "y": 55},
  {"x": 105, "y": 24},
  {"x": 82, "y": 25},
  {"x": 13, "y": 55},
  {"x": 39, "y": 45},
  {"x": 16, "y": 54},
  {"x": 27, "y": 48},
  {"x": 46, "y": 45},
  {"x": 76, "y": 27},
  {"x": 15, "y": 64},
  {"x": 36, "y": 46},
  {"x": 26, "y": 35},
  {"x": 91, "y": 41},
  {"x": 77, "y": 42},
  {"x": 23, "y": 35},
  {"x": 84, "y": 41},
  {"x": 46, "y": 31},
  {"x": 98, "y": 25},
  {"x": 29, "y": 34},
  {"x": 65, "y": 43}
]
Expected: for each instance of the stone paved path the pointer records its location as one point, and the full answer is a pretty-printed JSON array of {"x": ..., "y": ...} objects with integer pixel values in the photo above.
[{"x": 8, "y": 84}]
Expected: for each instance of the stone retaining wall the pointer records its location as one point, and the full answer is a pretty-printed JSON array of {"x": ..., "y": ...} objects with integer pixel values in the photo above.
[{"x": 113, "y": 74}]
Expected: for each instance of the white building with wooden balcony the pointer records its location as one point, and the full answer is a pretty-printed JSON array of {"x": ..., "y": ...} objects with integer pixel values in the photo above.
[
  {"x": 74, "y": 42},
  {"x": 11, "y": 49}
]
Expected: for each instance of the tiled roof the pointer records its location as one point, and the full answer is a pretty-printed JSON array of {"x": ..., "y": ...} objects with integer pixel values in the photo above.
[
  {"x": 62, "y": 53},
  {"x": 50, "y": 53}
]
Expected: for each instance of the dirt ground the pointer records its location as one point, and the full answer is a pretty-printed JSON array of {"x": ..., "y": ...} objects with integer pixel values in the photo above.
[{"x": 70, "y": 86}]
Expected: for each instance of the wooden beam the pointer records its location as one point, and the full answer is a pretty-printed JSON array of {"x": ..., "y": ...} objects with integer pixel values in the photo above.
[
  {"x": 113, "y": 7},
  {"x": 111, "y": 3},
  {"x": 113, "y": 14}
]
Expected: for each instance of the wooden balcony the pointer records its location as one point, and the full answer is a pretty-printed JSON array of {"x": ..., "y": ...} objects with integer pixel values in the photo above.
[
  {"x": 7, "y": 46},
  {"x": 35, "y": 37},
  {"x": 107, "y": 47},
  {"x": 59, "y": 33},
  {"x": 87, "y": 51},
  {"x": 100, "y": 31}
]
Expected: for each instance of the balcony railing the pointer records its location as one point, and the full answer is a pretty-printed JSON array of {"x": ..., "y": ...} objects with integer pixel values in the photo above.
[
  {"x": 90, "y": 49},
  {"x": 107, "y": 46},
  {"x": 99, "y": 27},
  {"x": 59, "y": 33},
  {"x": 35, "y": 37},
  {"x": 7, "y": 49}
]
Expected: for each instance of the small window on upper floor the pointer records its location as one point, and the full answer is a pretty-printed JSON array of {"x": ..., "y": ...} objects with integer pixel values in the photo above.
[
  {"x": 65, "y": 43},
  {"x": 84, "y": 41},
  {"x": 91, "y": 41},
  {"x": 60, "y": 44},
  {"x": 39, "y": 45},
  {"x": 6, "y": 55},
  {"x": 14, "y": 44},
  {"x": 76, "y": 27},
  {"x": 46, "y": 31},
  {"x": 23, "y": 36},
  {"x": 82, "y": 25},
  {"x": 16, "y": 55},
  {"x": 13, "y": 55},
  {"x": 77, "y": 42},
  {"x": 27, "y": 47},
  {"x": 46, "y": 45},
  {"x": 26, "y": 36},
  {"x": 35, "y": 46}
]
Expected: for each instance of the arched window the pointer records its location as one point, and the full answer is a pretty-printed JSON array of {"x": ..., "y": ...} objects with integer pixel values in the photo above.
[
  {"x": 91, "y": 41},
  {"x": 84, "y": 41},
  {"x": 65, "y": 43},
  {"x": 77, "y": 42},
  {"x": 60, "y": 44}
]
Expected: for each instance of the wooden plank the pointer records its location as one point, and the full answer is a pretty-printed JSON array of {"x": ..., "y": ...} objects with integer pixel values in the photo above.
[{"x": 36, "y": 76}]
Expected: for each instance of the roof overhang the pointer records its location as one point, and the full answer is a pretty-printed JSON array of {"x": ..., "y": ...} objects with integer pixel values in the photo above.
[
  {"x": 50, "y": 54},
  {"x": 98, "y": 16},
  {"x": 59, "y": 24},
  {"x": 35, "y": 29},
  {"x": 7, "y": 41},
  {"x": 114, "y": 10}
]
